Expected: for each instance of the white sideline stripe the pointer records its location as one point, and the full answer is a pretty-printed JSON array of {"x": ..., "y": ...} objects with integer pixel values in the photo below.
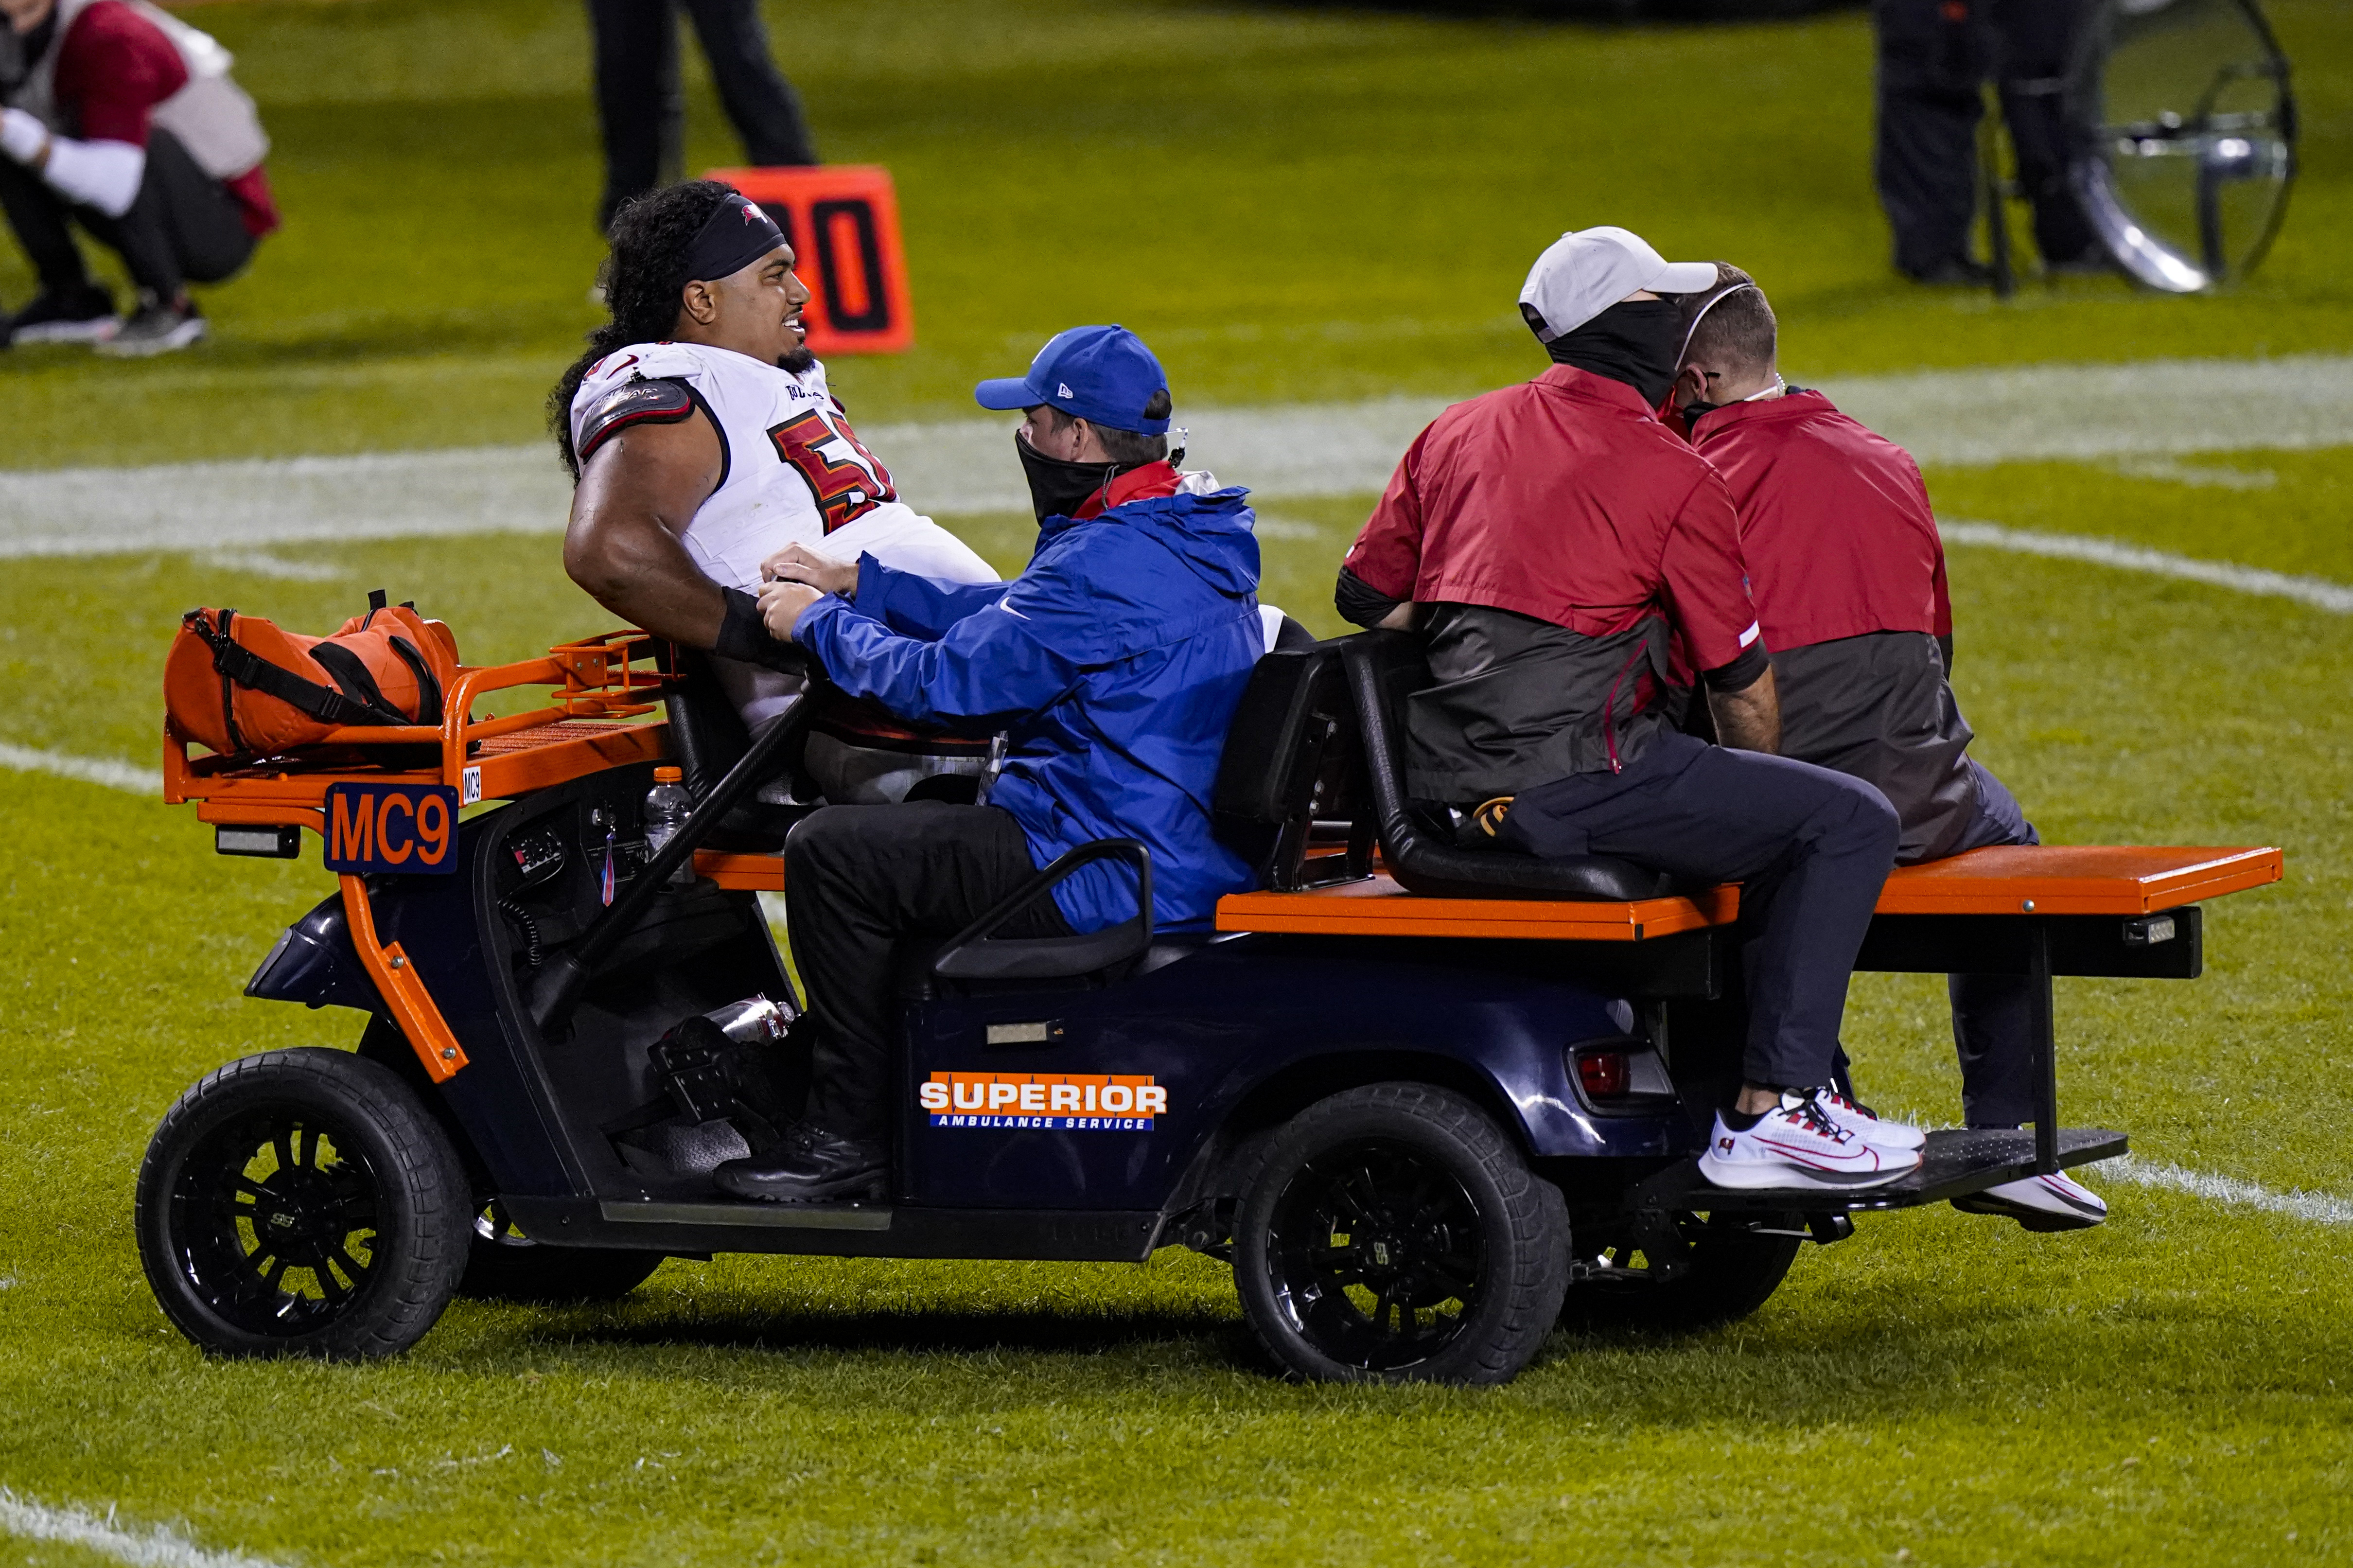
[
  {"x": 158, "y": 1547},
  {"x": 2317, "y": 1207},
  {"x": 2318, "y": 592},
  {"x": 88, "y": 769},
  {"x": 2153, "y": 409}
]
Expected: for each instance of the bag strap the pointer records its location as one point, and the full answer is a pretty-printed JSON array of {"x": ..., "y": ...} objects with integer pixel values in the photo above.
[
  {"x": 358, "y": 682},
  {"x": 240, "y": 664},
  {"x": 228, "y": 698},
  {"x": 428, "y": 688}
]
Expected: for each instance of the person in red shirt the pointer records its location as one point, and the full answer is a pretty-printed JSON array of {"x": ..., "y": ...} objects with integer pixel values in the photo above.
[
  {"x": 1847, "y": 576},
  {"x": 123, "y": 120},
  {"x": 1553, "y": 542}
]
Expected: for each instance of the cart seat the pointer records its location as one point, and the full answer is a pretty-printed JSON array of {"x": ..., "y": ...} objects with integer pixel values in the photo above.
[
  {"x": 1288, "y": 764},
  {"x": 707, "y": 736},
  {"x": 1382, "y": 669}
]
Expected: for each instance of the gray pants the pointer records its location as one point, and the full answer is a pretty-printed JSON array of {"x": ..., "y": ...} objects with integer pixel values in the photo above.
[
  {"x": 1992, "y": 1015},
  {"x": 1993, "y": 1026}
]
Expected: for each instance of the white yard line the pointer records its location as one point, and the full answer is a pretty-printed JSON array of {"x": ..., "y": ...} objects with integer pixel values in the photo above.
[
  {"x": 2318, "y": 592},
  {"x": 2145, "y": 413},
  {"x": 156, "y": 1547},
  {"x": 88, "y": 769},
  {"x": 2317, "y": 1207}
]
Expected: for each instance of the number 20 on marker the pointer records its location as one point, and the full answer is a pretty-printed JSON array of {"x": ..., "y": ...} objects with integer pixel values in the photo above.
[{"x": 405, "y": 829}]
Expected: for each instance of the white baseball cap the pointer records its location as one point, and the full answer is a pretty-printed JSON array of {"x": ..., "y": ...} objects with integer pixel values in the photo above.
[{"x": 1586, "y": 270}]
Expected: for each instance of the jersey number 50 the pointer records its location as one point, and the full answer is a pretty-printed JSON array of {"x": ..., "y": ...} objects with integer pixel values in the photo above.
[{"x": 846, "y": 479}]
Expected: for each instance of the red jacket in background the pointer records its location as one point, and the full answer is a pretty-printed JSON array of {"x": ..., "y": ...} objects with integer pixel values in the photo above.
[
  {"x": 1572, "y": 547},
  {"x": 1563, "y": 499},
  {"x": 1835, "y": 522},
  {"x": 1849, "y": 578}
]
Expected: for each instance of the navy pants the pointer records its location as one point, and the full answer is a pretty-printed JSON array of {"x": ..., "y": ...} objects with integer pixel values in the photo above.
[
  {"x": 1810, "y": 849},
  {"x": 1934, "y": 57},
  {"x": 642, "y": 109},
  {"x": 860, "y": 881}
]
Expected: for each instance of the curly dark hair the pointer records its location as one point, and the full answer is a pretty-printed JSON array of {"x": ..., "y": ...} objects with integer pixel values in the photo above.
[{"x": 651, "y": 238}]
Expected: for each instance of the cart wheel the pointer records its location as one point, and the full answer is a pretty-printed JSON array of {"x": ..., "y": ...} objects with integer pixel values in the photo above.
[
  {"x": 504, "y": 1264},
  {"x": 1394, "y": 1235},
  {"x": 1732, "y": 1273},
  {"x": 301, "y": 1203}
]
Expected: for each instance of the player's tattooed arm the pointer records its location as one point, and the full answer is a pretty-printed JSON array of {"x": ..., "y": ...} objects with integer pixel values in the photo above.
[{"x": 637, "y": 495}]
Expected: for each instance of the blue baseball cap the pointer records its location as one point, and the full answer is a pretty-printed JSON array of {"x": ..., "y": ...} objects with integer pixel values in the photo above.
[{"x": 1104, "y": 374}]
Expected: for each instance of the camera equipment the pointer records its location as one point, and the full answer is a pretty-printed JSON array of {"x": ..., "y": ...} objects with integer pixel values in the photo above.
[{"x": 2185, "y": 138}]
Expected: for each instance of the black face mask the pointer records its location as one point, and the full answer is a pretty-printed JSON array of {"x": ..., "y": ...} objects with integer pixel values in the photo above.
[
  {"x": 1636, "y": 342},
  {"x": 1057, "y": 488}
]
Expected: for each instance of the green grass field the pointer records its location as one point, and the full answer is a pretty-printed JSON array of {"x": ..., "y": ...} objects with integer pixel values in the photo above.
[{"x": 1292, "y": 205}]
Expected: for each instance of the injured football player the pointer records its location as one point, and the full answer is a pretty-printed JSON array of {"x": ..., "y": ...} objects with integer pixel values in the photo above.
[{"x": 701, "y": 439}]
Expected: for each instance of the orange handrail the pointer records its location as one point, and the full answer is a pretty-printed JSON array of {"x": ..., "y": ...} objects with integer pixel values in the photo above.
[{"x": 596, "y": 678}]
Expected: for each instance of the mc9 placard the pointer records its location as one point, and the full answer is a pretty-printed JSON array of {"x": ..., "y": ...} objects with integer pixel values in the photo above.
[{"x": 406, "y": 829}]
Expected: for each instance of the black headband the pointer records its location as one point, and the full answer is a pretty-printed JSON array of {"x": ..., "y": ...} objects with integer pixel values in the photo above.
[{"x": 733, "y": 237}]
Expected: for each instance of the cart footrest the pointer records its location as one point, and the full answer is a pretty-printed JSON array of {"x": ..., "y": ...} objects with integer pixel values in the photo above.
[{"x": 1955, "y": 1163}]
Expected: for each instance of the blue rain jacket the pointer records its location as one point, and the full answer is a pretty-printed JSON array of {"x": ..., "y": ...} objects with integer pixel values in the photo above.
[{"x": 1114, "y": 661}]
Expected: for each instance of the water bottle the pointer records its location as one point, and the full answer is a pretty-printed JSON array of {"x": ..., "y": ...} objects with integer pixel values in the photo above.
[{"x": 666, "y": 804}]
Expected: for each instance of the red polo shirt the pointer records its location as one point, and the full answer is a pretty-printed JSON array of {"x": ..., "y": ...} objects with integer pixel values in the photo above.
[
  {"x": 1835, "y": 522},
  {"x": 1565, "y": 499}
]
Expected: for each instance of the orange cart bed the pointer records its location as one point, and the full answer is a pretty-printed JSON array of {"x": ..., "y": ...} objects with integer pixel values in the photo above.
[
  {"x": 2038, "y": 911},
  {"x": 2050, "y": 879}
]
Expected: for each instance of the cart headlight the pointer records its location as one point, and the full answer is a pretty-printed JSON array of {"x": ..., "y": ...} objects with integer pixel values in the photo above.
[{"x": 267, "y": 841}]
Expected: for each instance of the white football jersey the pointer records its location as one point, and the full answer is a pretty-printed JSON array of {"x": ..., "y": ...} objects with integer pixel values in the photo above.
[{"x": 792, "y": 472}]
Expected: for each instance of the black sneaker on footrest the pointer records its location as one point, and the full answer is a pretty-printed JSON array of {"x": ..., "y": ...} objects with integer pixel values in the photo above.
[{"x": 811, "y": 1165}]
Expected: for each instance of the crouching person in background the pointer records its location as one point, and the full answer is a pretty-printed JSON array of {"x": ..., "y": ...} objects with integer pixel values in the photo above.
[{"x": 122, "y": 119}]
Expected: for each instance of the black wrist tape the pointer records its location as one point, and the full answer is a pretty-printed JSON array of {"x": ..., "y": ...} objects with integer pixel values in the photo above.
[{"x": 743, "y": 636}]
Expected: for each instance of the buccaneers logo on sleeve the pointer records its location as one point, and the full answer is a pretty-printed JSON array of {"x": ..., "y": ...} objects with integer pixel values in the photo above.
[{"x": 846, "y": 478}]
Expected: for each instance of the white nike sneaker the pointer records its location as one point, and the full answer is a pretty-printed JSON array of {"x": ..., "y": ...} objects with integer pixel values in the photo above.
[
  {"x": 1798, "y": 1144},
  {"x": 1878, "y": 1130},
  {"x": 2055, "y": 1202}
]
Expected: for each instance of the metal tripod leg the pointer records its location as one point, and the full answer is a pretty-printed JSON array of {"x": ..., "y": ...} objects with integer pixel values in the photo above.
[{"x": 1993, "y": 195}]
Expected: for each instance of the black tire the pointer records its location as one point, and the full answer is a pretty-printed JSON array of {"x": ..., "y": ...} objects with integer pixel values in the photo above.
[
  {"x": 504, "y": 1264},
  {"x": 1461, "y": 1278},
  {"x": 302, "y": 1203},
  {"x": 1732, "y": 1274}
]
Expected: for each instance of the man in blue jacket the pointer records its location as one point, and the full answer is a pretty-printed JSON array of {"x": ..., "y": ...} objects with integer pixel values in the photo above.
[{"x": 1114, "y": 663}]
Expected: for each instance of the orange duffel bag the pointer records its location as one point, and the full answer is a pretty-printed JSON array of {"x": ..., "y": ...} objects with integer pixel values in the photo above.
[{"x": 242, "y": 686}]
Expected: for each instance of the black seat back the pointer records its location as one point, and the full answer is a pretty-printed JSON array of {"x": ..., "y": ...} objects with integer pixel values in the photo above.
[
  {"x": 1289, "y": 763},
  {"x": 1382, "y": 670},
  {"x": 707, "y": 737}
]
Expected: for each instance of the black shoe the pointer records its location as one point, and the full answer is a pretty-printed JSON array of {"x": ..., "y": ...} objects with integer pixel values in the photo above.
[
  {"x": 157, "y": 328},
  {"x": 1956, "y": 273},
  {"x": 84, "y": 317},
  {"x": 811, "y": 1165}
]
